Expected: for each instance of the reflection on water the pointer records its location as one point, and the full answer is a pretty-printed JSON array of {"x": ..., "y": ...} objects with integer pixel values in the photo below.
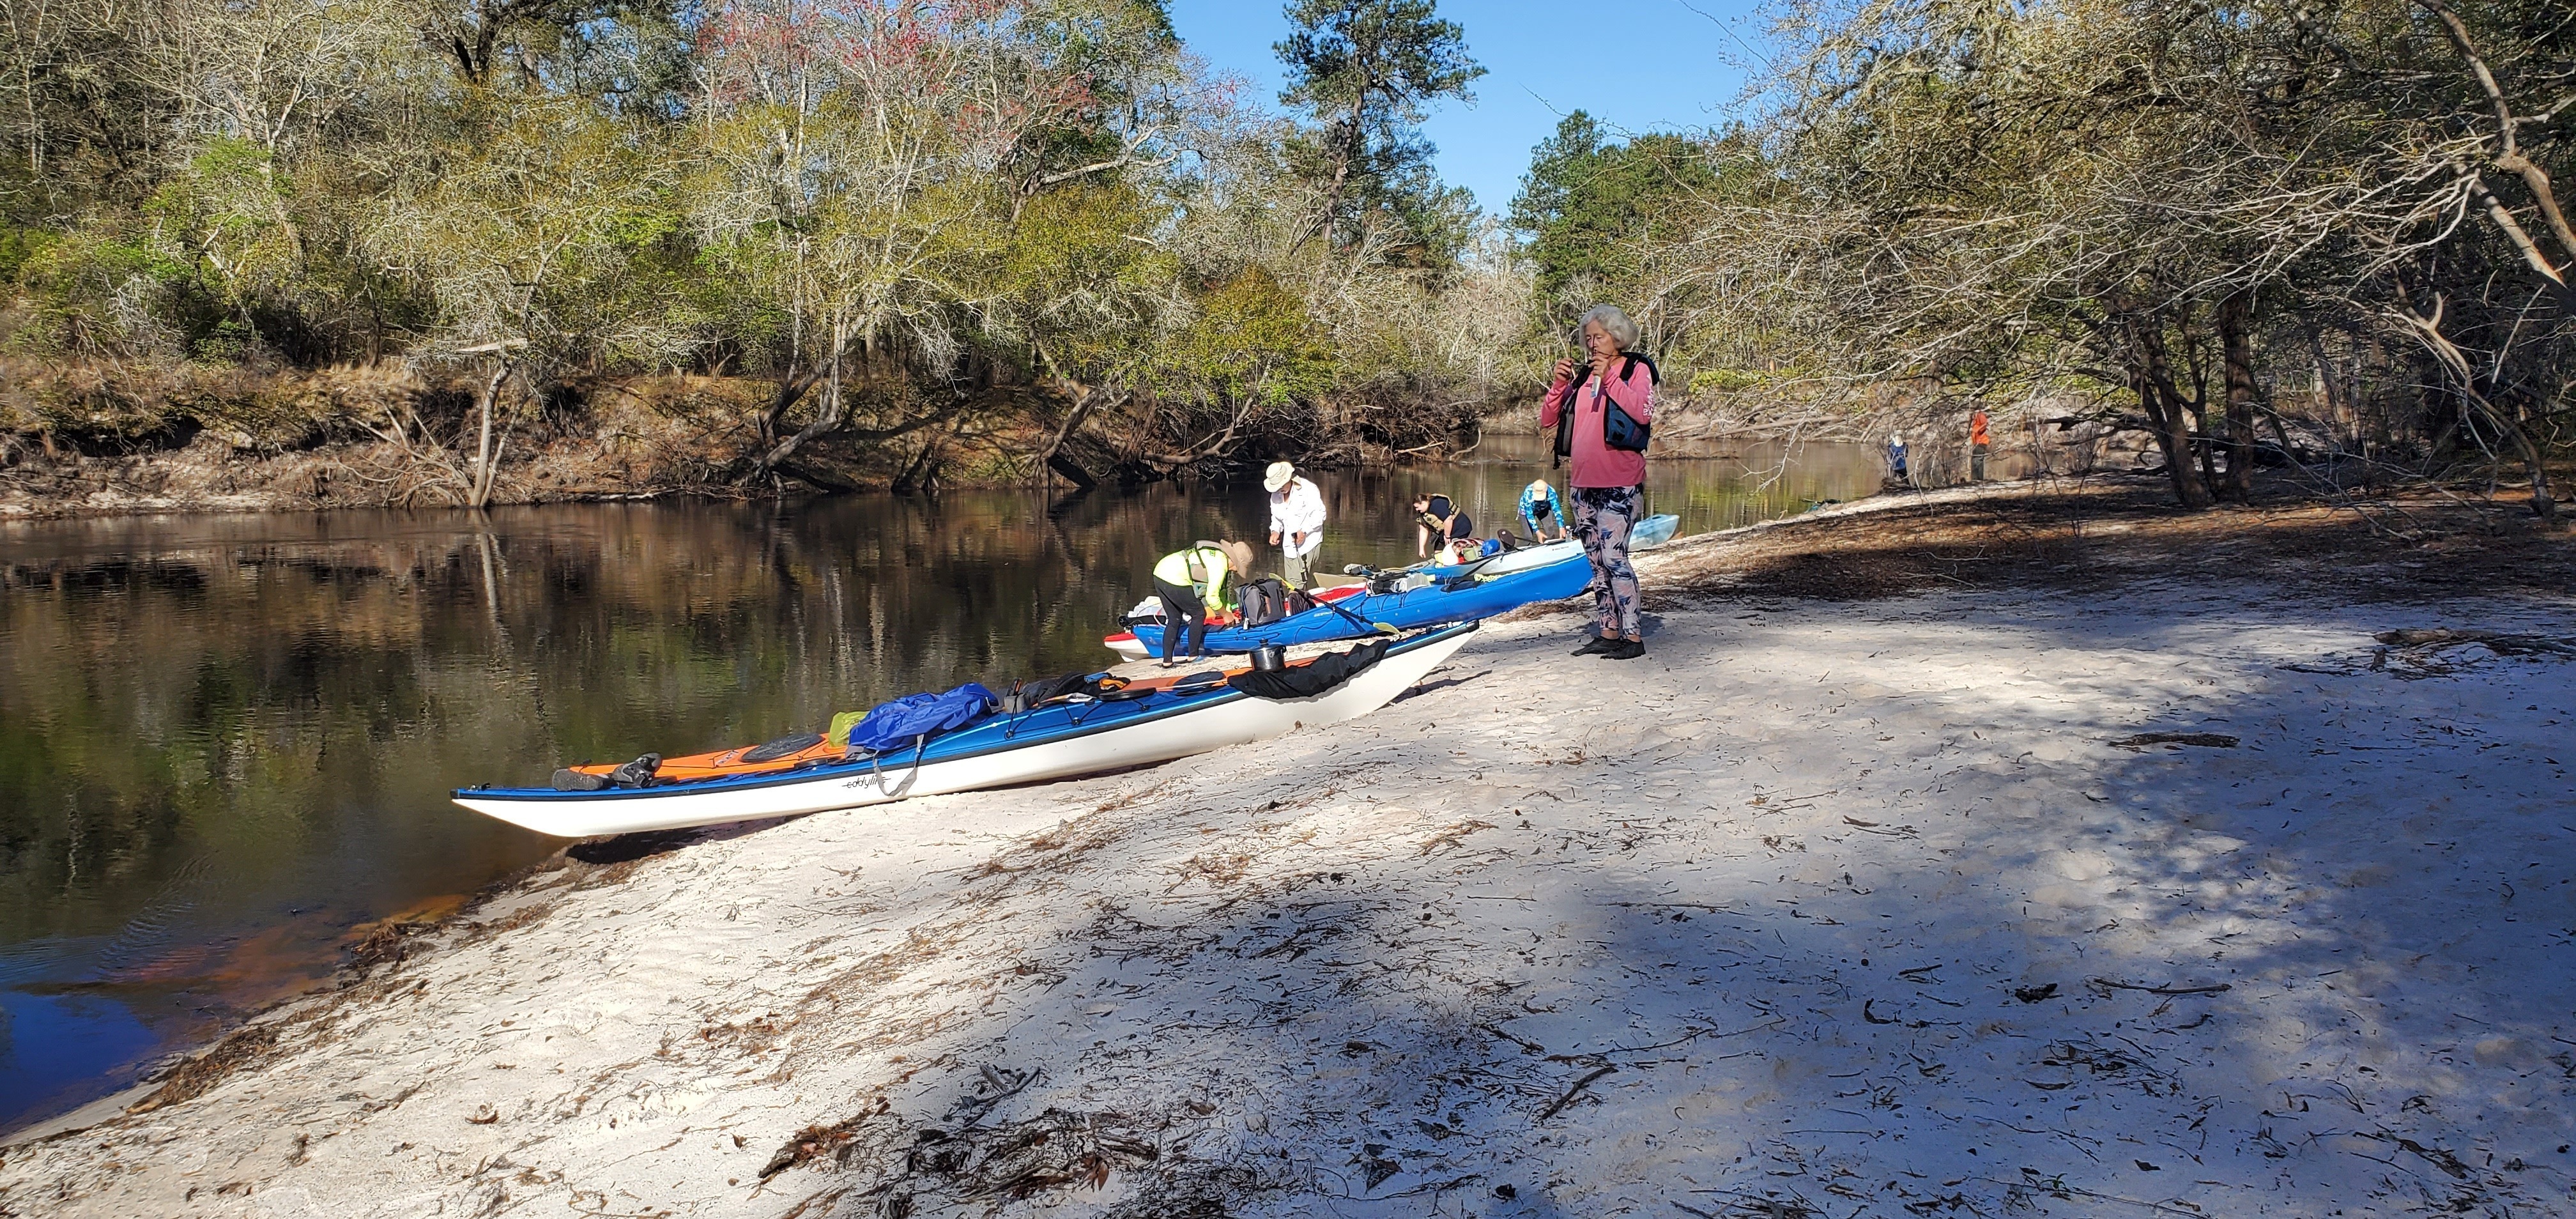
[{"x": 225, "y": 741}]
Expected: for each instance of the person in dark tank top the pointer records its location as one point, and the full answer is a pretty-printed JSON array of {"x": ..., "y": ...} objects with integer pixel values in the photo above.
[{"x": 1439, "y": 518}]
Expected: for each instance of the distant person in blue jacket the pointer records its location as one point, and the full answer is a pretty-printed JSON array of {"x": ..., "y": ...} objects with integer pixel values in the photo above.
[
  {"x": 1896, "y": 458},
  {"x": 1541, "y": 511}
]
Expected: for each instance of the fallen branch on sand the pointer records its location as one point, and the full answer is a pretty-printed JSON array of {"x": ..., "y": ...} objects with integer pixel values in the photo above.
[
  {"x": 2434, "y": 1156},
  {"x": 1570, "y": 1093},
  {"x": 2206, "y": 740},
  {"x": 2107, "y": 984},
  {"x": 2058, "y": 1187},
  {"x": 2497, "y": 642},
  {"x": 2413, "y": 652}
]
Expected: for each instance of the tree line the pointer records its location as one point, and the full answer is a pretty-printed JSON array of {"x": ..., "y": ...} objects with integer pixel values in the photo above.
[
  {"x": 2256, "y": 232},
  {"x": 905, "y": 218},
  {"x": 2314, "y": 233}
]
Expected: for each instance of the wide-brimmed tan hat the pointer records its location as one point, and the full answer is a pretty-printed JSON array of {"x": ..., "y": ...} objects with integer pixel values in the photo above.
[
  {"x": 1238, "y": 554},
  {"x": 1277, "y": 476}
]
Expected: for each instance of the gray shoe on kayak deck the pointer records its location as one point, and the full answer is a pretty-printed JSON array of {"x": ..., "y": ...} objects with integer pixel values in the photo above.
[{"x": 1596, "y": 646}]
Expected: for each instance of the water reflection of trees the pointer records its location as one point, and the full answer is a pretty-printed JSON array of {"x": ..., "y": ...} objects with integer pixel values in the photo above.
[
  {"x": 210, "y": 691},
  {"x": 290, "y": 697}
]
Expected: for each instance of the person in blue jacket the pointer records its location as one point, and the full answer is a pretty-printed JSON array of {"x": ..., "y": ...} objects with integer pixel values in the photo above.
[{"x": 1541, "y": 511}]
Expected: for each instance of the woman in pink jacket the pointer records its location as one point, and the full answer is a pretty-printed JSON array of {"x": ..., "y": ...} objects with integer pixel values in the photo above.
[{"x": 1608, "y": 483}]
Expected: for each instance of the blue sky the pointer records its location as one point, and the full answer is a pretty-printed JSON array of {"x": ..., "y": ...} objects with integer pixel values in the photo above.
[{"x": 1657, "y": 65}]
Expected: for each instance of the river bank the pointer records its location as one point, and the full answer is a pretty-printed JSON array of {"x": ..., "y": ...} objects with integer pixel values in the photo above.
[
  {"x": 87, "y": 442},
  {"x": 628, "y": 455},
  {"x": 1983, "y": 851},
  {"x": 81, "y": 441}
]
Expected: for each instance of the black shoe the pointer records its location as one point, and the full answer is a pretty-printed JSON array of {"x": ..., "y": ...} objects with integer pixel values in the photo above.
[
  {"x": 1625, "y": 649},
  {"x": 1595, "y": 646}
]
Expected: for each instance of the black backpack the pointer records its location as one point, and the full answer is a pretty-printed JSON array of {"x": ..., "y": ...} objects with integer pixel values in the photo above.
[
  {"x": 1030, "y": 695},
  {"x": 1264, "y": 601},
  {"x": 1618, "y": 430}
]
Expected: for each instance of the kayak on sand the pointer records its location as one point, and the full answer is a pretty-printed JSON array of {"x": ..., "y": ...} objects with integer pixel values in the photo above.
[
  {"x": 1547, "y": 572},
  {"x": 1358, "y": 616},
  {"x": 1142, "y": 723}
]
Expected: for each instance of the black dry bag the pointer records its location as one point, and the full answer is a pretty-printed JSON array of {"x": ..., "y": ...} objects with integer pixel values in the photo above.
[{"x": 1264, "y": 602}]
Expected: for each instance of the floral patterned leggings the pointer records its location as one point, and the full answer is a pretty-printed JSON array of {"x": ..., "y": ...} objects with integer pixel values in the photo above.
[{"x": 1602, "y": 518}]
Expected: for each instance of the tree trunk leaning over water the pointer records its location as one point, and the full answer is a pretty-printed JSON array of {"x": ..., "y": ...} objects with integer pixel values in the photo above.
[
  {"x": 835, "y": 412},
  {"x": 1053, "y": 457},
  {"x": 828, "y": 420}
]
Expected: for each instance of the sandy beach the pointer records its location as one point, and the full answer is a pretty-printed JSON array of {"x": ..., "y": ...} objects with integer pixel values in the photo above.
[{"x": 2118, "y": 885}]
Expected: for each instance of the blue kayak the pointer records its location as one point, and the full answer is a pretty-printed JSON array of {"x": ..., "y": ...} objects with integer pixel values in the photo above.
[{"x": 1353, "y": 617}]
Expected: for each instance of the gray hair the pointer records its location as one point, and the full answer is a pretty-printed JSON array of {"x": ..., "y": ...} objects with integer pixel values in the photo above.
[{"x": 1613, "y": 321}]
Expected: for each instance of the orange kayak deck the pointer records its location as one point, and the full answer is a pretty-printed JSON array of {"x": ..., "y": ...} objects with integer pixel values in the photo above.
[{"x": 721, "y": 763}]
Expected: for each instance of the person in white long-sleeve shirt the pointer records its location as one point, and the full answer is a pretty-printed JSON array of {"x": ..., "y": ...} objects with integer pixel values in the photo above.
[{"x": 1296, "y": 522}]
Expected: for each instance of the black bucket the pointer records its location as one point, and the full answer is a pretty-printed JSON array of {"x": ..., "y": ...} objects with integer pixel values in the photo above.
[{"x": 1269, "y": 658}]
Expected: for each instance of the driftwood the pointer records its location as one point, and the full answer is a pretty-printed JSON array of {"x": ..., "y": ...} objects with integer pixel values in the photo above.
[
  {"x": 2211, "y": 989},
  {"x": 2414, "y": 653},
  {"x": 2206, "y": 740},
  {"x": 2497, "y": 642},
  {"x": 1571, "y": 1093}
]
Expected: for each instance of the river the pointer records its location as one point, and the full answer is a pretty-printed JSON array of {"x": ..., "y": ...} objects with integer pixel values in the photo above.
[{"x": 226, "y": 740}]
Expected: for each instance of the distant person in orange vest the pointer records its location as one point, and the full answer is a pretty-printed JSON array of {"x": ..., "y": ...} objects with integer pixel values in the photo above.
[{"x": 1978, "y": 444}]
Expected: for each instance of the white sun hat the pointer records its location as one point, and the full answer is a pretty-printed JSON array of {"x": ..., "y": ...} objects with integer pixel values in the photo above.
[{"x": 1277, "y": 476}]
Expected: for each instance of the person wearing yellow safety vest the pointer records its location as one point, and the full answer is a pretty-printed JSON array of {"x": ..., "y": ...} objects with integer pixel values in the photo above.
[{"x": 1194, "y": 583}]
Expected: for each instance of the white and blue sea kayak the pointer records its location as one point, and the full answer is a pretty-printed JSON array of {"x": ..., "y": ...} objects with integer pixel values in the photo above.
[{"x": 1052, "y": 741}]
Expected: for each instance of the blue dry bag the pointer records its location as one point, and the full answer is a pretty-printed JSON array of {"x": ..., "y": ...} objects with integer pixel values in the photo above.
[{"x": 902, "y": 723}]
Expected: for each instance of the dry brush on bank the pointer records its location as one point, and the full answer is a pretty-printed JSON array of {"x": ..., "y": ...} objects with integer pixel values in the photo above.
[{"x": 379, "y": 436}]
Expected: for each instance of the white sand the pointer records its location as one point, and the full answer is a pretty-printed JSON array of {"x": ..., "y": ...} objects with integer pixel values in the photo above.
[{"x": 1767, "y": 896}]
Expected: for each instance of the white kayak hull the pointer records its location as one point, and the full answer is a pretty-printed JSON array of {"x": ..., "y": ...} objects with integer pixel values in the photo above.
[
  {"x": 1523, "y": 559},
  {"x": 1651, "y": 532},
  {"x": 1214, "y": 722}
]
